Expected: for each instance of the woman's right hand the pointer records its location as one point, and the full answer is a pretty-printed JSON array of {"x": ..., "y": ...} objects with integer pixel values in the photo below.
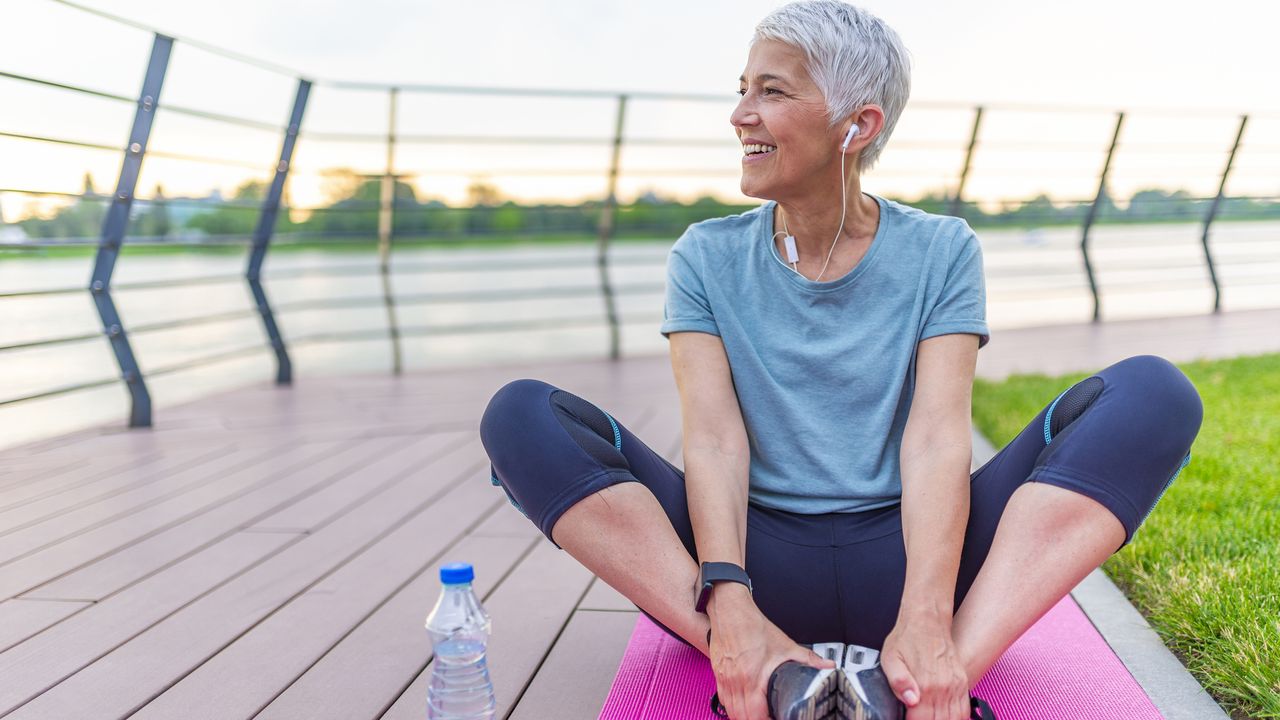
[{"x": 745, "y": 650}]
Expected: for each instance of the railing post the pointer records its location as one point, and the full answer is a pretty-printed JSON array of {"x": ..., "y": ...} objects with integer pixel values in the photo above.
[
  {"x": 957, "y": 202},
  {"x": 266, "y": 226},
  {"x": 386, "y": 216},
  {"x": 607, "y": 218},
  {"x": 1093, "y": 213},
  {"x": 116, "y": 224},
  {"x": 1213, "y": 212}
]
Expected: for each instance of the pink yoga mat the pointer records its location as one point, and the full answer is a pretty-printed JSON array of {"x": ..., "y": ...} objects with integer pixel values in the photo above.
[{"x": 1060, "y": 669}]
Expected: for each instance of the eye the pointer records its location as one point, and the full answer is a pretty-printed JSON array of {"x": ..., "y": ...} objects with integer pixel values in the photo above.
[
  {"x": 772, "y": 90},
  {"x": 742, "y": 92}
]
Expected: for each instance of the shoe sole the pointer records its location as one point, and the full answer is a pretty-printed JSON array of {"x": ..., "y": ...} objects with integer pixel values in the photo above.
[
  {"x": 833, "y": 699},
  {"x": 835, "y": 694}
]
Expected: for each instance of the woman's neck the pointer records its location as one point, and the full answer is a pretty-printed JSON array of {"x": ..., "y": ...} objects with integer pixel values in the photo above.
[{"x": 814, "y": 221}]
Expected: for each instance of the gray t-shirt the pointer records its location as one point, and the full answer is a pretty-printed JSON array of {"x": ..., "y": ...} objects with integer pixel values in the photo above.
[{"x": 825, "y": 371}]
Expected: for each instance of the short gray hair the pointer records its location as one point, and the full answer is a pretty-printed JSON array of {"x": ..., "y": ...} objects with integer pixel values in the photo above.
[{"x": 853, "y": 57}]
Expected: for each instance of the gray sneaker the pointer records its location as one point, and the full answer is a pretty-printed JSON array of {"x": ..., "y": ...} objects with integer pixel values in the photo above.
[
  {"x": 856, "y": 689},
  {"x": 800, "y": 692},
  {"x": 865, "y": 693}
]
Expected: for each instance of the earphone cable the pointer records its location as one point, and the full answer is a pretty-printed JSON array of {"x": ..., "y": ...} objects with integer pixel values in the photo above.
[{"x": 843, "y": 209}]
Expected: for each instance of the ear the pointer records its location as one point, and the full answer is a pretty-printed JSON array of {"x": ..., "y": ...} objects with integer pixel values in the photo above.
[{"x": 870, "y": 122}]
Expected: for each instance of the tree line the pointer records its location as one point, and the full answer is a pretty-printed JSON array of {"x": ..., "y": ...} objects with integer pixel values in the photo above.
[{"x": 354, "y": 208}]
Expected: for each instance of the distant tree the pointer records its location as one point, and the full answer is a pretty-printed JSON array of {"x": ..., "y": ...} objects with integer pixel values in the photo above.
[
  {"x": 354, "y": 202},
  {"x": 239, "y": 217},
  {"x": 509, "y": 218},
  {"x": 153, "y": 219},
  {"x": 81, "y": 219},
  {"x": 1039, "y": 210},
  {"x": 483, "y": 193},
  {"x": 1155, "y": 204}
]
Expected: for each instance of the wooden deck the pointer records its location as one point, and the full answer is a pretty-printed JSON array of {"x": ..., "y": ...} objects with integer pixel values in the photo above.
[{"x": 271, "y": 553}]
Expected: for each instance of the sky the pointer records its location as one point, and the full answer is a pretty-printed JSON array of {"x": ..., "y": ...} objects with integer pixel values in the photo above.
[{"x": 1199, "y": 65}]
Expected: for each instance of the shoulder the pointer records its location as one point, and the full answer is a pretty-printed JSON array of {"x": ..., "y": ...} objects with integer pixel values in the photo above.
[
  {"x": 934, "y": 227},
  {"x": 714, "y": 234},
  {"x": 941, "y": 241}
]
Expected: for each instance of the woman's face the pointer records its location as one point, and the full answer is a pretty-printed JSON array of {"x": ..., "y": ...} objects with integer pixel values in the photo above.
[{"x": 782, "y": 109}]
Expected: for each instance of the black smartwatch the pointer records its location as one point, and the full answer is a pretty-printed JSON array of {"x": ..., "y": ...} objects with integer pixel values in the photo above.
[{"x": 716, "y": 572}]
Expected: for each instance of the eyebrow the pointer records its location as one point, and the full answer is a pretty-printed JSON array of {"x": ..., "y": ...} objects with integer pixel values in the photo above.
[{"x": 764, "y": 77}]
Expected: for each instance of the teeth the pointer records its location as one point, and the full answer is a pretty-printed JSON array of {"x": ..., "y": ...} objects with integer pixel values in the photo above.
[{"x": 757, "y": 149}]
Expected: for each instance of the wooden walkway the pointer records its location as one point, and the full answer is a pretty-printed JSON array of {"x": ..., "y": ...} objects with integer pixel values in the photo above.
[{"x": 271, "y": 553}]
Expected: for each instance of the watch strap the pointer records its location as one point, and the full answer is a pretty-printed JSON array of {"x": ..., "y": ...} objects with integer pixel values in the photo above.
[{"x": 718, "y": 572}]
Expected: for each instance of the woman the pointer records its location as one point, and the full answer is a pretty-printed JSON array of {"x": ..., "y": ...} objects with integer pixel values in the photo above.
[{"x": 824, "y": 347}]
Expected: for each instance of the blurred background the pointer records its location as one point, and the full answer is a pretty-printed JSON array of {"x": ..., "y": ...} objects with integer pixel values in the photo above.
[{"x": 389, "y": 186}]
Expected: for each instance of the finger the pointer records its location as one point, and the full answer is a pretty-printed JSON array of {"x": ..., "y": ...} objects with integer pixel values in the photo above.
[
  {"x": 758, "y": 706},
  {"x": 929, "y": 709},
  {"x": 808, "y": 657},
  {"x": 901, "y": 681},
  {"x": 738, "y": 711}
]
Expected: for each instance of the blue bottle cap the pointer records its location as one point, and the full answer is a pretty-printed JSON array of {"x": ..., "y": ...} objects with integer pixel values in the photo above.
[{"x": 456, "y": 573}]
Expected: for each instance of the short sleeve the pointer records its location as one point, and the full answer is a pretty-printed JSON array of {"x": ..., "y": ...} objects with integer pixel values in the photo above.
[
  {"x": 961, "y": 306},
  {"x": 687, "y": 307}
]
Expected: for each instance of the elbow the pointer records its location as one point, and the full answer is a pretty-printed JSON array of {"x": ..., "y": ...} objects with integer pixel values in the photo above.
[
  {"x": 952, "y": 448},
  {"x": 720, "y": 448},
  {"x": 726, "y": 449}
]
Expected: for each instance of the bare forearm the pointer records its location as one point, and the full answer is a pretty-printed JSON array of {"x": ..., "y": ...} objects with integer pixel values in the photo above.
[
  {"x": 935, "y": 511},
  {"x": 716, "y": 488}
]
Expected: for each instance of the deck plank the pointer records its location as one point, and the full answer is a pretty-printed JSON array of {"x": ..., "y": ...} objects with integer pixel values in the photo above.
[
  {"x": 390, "y": 647},
  {"x": 45, "y": 659},
  {"x": 259, "y": 666},
  {"x": 529, "y": 609},
  {"x": 319, "y": 507},
  {"x": 362, "y": 462},
  {"x": 602, "y": 596},
  {"x": 574, "y": 681},
  {"x": 28, "y": 513},
  {"x": 24, "y": 488},
  {"x": 189, "y": 477},
  {"x": 140, "y": 670},
  {"x": 21, "y": 618},
  {"x": 23, "y": 471},
  {"x": 507, "y": 521},
  {"x": 302, "y": 627},
  {"x": 23, "y": 574}
]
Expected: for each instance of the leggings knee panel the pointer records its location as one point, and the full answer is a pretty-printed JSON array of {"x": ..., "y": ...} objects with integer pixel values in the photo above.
[{"x": 549, "y": 448}]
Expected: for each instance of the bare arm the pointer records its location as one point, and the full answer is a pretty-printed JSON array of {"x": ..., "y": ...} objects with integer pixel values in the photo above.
[
  {"x": 919, "y": 656},
  {"x": 935, "y": 459},
  {"x": 745, "y": 647},
  {"x": 716, "y": 454}
]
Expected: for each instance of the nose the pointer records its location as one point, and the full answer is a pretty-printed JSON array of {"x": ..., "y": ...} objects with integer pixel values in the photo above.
[{"x": 744, "y": 114}]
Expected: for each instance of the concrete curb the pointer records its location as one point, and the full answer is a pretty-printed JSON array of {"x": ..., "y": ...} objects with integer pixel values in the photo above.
[{"x": 1175, "y": 693}]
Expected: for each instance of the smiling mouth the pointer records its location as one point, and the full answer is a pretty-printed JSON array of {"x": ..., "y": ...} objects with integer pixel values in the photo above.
[{"x": 756, "y": 150}]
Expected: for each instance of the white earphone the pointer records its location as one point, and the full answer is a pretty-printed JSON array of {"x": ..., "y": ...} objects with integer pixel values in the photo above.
[{"x": 853, "y": 130}]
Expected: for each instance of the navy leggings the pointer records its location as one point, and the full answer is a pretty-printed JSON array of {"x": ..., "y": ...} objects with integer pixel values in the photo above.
[{"x": 1120, "y": 437}]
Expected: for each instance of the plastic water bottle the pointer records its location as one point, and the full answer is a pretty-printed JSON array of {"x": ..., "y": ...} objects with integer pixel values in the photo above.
[{"x": 459, "y": 628}]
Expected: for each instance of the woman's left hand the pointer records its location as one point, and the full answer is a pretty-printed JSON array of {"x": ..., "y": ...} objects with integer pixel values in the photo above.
[{"x": 924, "y": 669}]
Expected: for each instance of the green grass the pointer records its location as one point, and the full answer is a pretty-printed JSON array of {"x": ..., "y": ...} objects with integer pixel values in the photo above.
[{"x": 1205, "y": 567}]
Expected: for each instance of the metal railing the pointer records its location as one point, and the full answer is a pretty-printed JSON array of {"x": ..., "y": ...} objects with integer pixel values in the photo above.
[{"x": 115, "y": 226}]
